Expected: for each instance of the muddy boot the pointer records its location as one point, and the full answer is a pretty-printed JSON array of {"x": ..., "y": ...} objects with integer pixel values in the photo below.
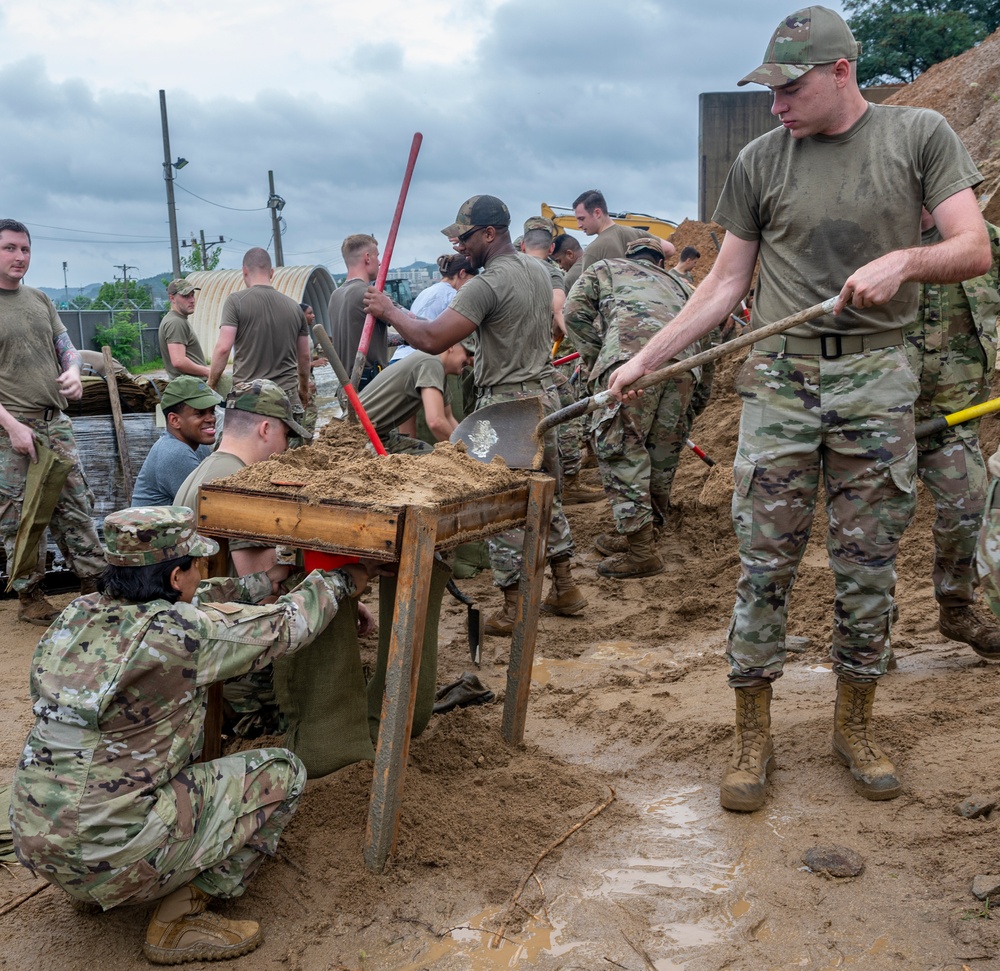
[
  {"x": 35, "y": 609},
  {"x": 182, "y": 930},
  {"x": 609, "y": 544},
  {"x": 575, "y": 492},
  {"x": 743, "y": 785},
  {"x": 641, "y": 560},
  {"x": 88, "y": 585},
  {"x": 974, "y": 626},
  {"x": 874, "y": 775},
  {"x": 565, "y": 597},
  {"x": 501, "y": 622}
]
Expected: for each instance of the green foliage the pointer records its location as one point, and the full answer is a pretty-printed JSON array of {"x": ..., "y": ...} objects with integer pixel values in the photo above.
[
  {"x": 900, "y": 39},
  {"x": 122, "y": 336},
  {"x": 154, "y": 365},
  {"x": 194, "y": 261},
  {"x": 113, "y": 296},
  {"x": 80, "y": 302}
]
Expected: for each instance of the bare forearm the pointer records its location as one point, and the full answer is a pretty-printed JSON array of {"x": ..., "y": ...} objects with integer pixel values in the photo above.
[{"x": 67, "y": 354}]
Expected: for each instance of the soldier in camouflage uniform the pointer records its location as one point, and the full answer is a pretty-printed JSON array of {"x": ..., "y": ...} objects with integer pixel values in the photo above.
[
  {"x": 830, "y": 202},
  {"x": 952, "y": 348},
  {"x": 537, "y": 241},
  {"x": 509, "y": 307},
  {"x": 39, "y": 372},
  {"x": 109, "y": 801},
  {"x": 613, "y": 311}
]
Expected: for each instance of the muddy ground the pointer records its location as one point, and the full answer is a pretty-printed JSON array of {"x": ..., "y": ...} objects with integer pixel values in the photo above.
[{"x": 629, "y": 698}]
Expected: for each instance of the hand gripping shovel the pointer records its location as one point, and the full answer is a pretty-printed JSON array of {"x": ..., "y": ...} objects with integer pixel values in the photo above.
[{"x": 515, "y": 430}]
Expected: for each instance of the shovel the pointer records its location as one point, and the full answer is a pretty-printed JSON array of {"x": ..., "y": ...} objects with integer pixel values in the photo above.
[
  {"x": 939, "y": 424},
  {"x": 515, "y": 430},
  {"x": 473, "y": 620}
]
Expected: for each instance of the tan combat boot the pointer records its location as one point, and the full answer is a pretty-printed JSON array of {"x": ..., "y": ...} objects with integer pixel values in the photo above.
[
  {"x": 88, "y": 585},
  {"x": 34, "y": 609},
  {"x": 641, "y": 560},
  {"x": 501, "y": 622},
  {"x": 874, "y": 775},
  {"x": 743, "y": 785},
  {"x": 974, "y": 626},
  {"x": 575, "y": 492},
  {"x": 608, "y": 544},
  {"x": 564, "y": 598},
  {"x": 182, "y": 930}
]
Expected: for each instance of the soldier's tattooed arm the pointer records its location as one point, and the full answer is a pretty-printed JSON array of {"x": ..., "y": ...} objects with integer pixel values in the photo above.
[{"x": 68, "y": 355}]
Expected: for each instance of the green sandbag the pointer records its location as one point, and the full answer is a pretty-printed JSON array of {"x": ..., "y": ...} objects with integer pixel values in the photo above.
[
  {"x": 427, "y": 681},
  {"x": 321, "y": 690},
  {"x": 470, "y": 558}
]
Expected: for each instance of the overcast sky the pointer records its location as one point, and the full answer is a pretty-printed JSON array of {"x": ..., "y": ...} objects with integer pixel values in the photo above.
[{"x": 525, "y": 99}]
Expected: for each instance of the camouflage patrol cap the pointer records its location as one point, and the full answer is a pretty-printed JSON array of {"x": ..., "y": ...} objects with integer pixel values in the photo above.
[
  {"x": 146, "y": 535},
  {"x": 648, "y": 245},
  {"x": 811, "y": 36},
  {"x": 541, "y": 222},
  {"x": 191, "y": 391},
  {"x": 264, "y": 397},
  {"x": 180, "y": 288},
  {"x": 478, "y": 211}
]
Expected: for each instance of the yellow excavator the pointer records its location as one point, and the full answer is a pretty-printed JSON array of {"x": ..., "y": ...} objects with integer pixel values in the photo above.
[{"x": 564, "y": 219}]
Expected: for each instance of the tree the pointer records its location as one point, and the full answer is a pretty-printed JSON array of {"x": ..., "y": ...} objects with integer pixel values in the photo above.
[
  {"x": 113, "y": 296},
  {"x": 900, "y": 39},
  {"x": 80, "y": 302},
  {"x": 194, "y": 261}
]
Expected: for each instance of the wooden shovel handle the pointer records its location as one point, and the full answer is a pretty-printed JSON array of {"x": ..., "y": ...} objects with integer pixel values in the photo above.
[{"x": 586, "y": 405}]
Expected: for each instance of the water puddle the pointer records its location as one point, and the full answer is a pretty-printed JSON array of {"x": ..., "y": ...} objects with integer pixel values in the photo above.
[{"x": 603, "y": 656}]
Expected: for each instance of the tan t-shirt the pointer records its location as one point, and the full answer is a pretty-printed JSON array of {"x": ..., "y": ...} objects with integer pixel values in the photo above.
[
  {"x": 394, "y": 395},
  {"x": 610, "y": 244},
  {"x": 268, "y": 327},
  {"x": 823, "y": 206},
  {"x": 29, "y": 365},
  {"x": 510, "y": 303},
  {"x": 176, "y": 329}
]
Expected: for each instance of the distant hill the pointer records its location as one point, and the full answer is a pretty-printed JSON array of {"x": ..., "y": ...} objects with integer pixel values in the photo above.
[{"x": 157, "y": 287}]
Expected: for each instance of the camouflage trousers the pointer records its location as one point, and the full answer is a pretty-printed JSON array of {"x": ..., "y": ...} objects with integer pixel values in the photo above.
[
  {"x": 851, "y": 420},
  {"x": 222, "y": 818},
  {"x": 951, "y": 369},
  {"x": 506, "y": 548},
  {"x": 397, "y": 444},
  {"x": 71, "y": 525},
  {"x": 570, "y": 434},
  {"x": 638, "y": 446},
  {"x": 987, "y": 562}
]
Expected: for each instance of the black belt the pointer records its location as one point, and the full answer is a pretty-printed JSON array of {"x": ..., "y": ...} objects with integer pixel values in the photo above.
[{"x": 830, "y": 346}]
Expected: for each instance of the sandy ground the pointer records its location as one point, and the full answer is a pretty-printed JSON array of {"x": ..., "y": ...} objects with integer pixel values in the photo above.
[{"x": 629, "y": 698}]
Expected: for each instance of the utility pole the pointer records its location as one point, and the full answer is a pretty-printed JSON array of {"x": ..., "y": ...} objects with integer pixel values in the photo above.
[
  {"x": 65, "y": 283},
  {"x": 168, "y": 177},
  {"x": 203, "y": 252},
  {"x": 275, "y": 203},
  {"x": 124, "y": 267}
]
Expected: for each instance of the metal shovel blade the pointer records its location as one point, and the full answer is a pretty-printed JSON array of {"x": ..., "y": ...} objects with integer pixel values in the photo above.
[{"x": 506, "y": 429}]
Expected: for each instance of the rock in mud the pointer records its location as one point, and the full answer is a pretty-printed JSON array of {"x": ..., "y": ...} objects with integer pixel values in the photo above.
[{"x": 834, "y": 861}]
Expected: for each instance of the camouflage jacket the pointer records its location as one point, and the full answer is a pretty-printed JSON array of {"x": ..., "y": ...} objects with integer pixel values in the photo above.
[
  {"x": 950, "y": 310},
  {"x": 119, "y": 692},
  {"x": 616, "y": 307}
]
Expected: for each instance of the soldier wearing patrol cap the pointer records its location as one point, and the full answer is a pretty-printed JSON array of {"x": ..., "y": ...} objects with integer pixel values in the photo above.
[
  {"x": 179, "y": 347},
  {"x": 830, "y": 202},
  {"x": 188, "y": 406},
  {"x": 109, "y": 801},
  {"x": 509, "y": 307}
]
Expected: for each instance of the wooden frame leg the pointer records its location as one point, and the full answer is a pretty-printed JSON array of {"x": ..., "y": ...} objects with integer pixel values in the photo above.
[
  {"x": 402, "y": 671},
  {"x": 529, "y": 598},
  {"x": 218, "y": 566}
]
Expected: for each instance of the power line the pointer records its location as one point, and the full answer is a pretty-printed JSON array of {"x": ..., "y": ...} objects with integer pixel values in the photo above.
[{"x": 218, "y": 205}]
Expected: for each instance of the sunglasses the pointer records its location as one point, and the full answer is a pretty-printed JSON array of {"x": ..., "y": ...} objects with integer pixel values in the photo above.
[{"x": 472, "y": 232}]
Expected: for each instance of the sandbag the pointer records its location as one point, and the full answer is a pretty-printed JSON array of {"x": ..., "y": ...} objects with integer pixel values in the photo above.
[
  {"x": 321, "y": 691},
  {"x": 427, "y": 681}
]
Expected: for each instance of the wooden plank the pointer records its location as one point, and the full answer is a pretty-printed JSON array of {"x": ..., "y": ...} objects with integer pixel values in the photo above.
[
  {"x": 483, "y": 515},
  {"x": 116, "y": 413},
  {"x": 218, "y": 566},
  {"x": 273, "y": 519},
  {"x": 402, "y": 670},
  {"x": 529, "y": 597}
]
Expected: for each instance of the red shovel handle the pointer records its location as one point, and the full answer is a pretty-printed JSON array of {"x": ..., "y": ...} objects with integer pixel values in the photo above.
[{"x": 383, "y": 270}]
